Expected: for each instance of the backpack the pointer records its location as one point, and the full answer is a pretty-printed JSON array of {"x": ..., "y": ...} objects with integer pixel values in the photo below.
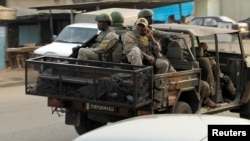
[{"x": 115, "y": 53}]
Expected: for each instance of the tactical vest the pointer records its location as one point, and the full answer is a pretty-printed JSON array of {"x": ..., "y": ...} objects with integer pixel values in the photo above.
[
  {"x": 100, "y": 37},
  {"x": 115, "y": 53},
  {"x": 144, "y": 44}
]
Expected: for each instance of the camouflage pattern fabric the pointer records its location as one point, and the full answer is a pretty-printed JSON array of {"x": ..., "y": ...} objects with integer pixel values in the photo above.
[
  {"x": 116, "y": 54},
  {"x": 228, "y": 88},
  {"x": 205, "y": 90},
  {"x": 105, "y": 41},
  {"x": 119, "y": 28},
  {"x": 133, "y": 44}
]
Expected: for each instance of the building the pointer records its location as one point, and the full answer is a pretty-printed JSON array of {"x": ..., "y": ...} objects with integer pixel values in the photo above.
[{"x": 234, "y": 9}]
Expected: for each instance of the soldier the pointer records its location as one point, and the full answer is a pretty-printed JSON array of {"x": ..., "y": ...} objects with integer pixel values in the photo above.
[
  {"x": 161, "y": 35},
  {"x": 104, "y": 41},
  {"x": 148, "y": 14},
  {"x": 225, "y": 81},
  {"x": 140, "y": 47},
  {"x": 120, "y": 28},
  {"x": 118, "y": 22}
]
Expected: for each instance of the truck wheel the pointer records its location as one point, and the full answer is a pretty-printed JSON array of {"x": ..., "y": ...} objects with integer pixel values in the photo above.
[
  {"x": 245, "y": 111},
  {"x": 246, "y": 116},
  {"x": 87, "y": 125},
  {"x": 182, "y": 107}
]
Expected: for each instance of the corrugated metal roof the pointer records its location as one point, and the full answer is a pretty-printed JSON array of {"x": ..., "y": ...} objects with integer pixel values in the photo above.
[
  {"x": 26, "y": 12},
  {"x": 161, "y": 13},
  {"x": 92, "y": 6}
]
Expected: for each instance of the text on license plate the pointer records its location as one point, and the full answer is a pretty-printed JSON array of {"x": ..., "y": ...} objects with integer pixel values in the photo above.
[{"x": 103, "y": 108}]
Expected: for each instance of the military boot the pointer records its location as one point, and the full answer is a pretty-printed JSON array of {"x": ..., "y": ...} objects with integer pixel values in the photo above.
[
  {"x": 216, "y": 71},
  {"x": 231, "y": 89},
  {"x": 229, "y": 86},
  {"x": 209, "y": 103}
]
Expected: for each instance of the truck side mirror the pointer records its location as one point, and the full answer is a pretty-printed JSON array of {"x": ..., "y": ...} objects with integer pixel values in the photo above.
[{"x": 54, "y": 37}]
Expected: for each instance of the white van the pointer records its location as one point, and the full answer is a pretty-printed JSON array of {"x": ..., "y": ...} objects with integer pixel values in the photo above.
[
  {"x": 71, "y": 36},
  {"x": 80, "y": 32}
]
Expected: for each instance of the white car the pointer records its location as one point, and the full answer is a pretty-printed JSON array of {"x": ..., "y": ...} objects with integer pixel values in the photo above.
[
  {"x": 221, "y": 21},
  {"x": 77, "y": 34},
  {"x": 71, "y": 36},
  {"x": 166, "y": 127}
]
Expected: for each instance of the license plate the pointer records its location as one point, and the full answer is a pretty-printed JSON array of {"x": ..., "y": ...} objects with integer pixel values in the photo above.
[{"x": 102, "y": 108}]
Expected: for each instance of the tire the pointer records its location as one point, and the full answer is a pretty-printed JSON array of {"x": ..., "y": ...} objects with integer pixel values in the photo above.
[
  {"x": 87, "y": 125},
  {"x": 245, "y": 110},
  {"x": 246, "y": 116},
  {"x": 182, "y": 107}
]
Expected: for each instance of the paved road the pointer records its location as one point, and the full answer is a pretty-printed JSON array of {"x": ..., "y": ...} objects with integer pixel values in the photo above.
[{"x": 27, "y": 118}]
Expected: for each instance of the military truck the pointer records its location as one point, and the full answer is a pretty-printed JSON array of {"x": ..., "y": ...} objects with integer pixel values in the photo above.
[{"x": 93, "y": 93}]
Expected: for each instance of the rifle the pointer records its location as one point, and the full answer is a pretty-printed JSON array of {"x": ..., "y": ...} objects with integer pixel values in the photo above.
[{"x": 76, "y": 49}]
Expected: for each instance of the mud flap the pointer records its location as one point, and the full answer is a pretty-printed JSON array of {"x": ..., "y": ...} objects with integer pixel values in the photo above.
[
  {"x": 245, "y": 108},
  {"x": 73, "y": 118}
]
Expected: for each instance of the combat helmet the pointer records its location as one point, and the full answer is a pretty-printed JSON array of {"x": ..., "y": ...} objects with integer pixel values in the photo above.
[
  {"x": 145, "y": 13},
  {"x": 117, "y": 17},
  {"x": 104, "y": 18}
]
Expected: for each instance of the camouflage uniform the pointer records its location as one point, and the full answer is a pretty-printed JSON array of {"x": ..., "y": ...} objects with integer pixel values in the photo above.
[
  {"x": 228, "y": 89},
  {"x": 162, "y": 35},
  {"x": 225, "y": 81},
  {"x": 103, "y": 43},
  {"x": 134, "y": 43},
  {"x": 205, "y": 95},
  {"x": 119, "y": 27}
]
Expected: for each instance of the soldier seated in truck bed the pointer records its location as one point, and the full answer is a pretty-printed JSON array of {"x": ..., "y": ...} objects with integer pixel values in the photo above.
[
  {"x": 141, "y": 48},
  {"x": 104, "y": 41},
  {"x": 228, "y": 89}
]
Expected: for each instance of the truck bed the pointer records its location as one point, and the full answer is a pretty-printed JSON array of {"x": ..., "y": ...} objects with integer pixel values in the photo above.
[
  {"x": 89, "y": 81},
  {"x": 104, "y": 83}
]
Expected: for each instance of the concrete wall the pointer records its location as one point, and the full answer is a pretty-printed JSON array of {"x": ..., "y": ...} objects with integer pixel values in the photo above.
[
  {"x": 32, "y": 3},
  {"x": 207, "y": 7},
  {"x": 235, "y": 9},
  {"x": 200, "y": 8}
]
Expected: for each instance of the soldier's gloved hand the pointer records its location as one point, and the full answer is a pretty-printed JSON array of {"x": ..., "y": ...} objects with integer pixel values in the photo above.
[{"x": 150, "y": 60}]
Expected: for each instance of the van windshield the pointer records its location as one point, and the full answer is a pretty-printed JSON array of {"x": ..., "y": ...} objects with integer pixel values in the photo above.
[{"x": 76, "y": 34}]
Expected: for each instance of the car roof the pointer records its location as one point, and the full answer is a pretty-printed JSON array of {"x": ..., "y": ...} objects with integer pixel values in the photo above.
[
  {"x": 85, "y": 25},
  {"x": 194, "y": 29},
  {"x": 209, "y": 17},
  {"x": 161, "y": 127}
]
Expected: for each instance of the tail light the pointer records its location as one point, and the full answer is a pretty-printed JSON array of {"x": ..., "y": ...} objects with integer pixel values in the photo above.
[
  {"x": 142, "y": 113},
  {"x": 54, "y": 102}
]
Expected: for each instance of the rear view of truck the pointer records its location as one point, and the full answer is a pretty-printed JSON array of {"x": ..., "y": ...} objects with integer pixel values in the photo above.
[
  {"x": 76, "y": 87},
  {"x": 93, "y": 93}
]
